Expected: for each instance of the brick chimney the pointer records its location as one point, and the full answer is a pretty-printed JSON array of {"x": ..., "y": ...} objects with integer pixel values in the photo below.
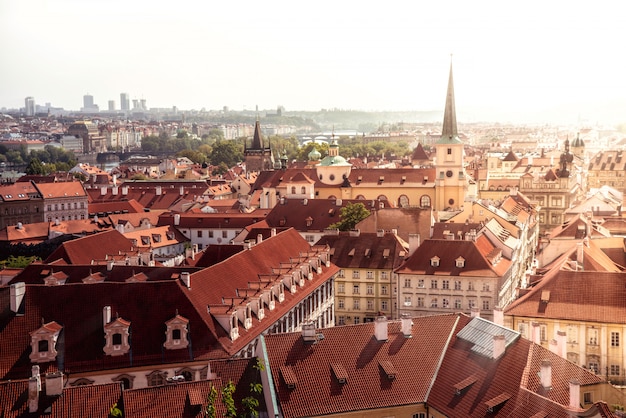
[
  {"x": 498, "y": 316},
  {"x": 17, "y": 291},
  {"x": 414, "y": 243},
  {"x": 535, "y": 332},
  {"x": 499, "y": 345},
  {"x": 545, "y": 374},
  {"x": 407, "y": 325},
  {"x": 106, "y": 315},
  {"x": 54, "y": 384},
  {"x": 186, "y": 279},
  {"x": 574, "y": 394},
  {"x": 561, "y": 339},
  {"x": 380, "y": 328}
]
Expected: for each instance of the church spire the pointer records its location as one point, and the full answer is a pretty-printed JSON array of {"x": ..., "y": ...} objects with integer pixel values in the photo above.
[
  {"x": 449, "y": 133},
  {"x": 257, "y": 140}
]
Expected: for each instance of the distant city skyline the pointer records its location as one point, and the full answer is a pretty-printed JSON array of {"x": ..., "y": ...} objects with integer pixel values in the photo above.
[{"x": 535, "y": 63}]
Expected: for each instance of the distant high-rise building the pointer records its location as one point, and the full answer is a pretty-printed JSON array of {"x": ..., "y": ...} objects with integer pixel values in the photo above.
[
  {"x": 88, "y": 101},
  {"x": 29, "y": 106},
  {"x": 143, "y": 104},
  {"x": 111, "y": 105},
  {"x": 124, "y": 101},
  {"x": 135, "y": 104}
]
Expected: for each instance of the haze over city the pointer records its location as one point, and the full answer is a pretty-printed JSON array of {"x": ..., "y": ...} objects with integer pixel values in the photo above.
[{"x": 541, "y": 62}]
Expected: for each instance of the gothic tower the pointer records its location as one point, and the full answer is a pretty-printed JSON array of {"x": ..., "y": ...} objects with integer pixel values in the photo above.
[
  {"x": 451, "y": 182},
  {"x": 258, "y": 157}
]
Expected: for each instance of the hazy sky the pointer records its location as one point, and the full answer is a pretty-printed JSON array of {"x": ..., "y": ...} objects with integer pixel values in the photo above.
[{"x": 509, "y": 58}]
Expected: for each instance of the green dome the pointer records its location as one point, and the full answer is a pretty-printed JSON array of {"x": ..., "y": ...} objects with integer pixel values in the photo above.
[
  {"x": 335, "y": 160},
  {"x": 314, "y": 155}
]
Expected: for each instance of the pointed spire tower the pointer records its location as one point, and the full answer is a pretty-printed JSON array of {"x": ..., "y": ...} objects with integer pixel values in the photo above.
[
  {"x": 451, "y": 182},
  {"x": 449, "y": 133},
  {"x": 258, "y": 157}
]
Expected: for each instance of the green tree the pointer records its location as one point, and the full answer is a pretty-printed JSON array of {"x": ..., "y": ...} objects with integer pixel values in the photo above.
[
  {"x": 227, "y": 152},
  {"x": 36, "y": 167},
  {"x": 210, "y": 410},
  {"x": 303, "y": 154},
  {"x": 351, "y": 214},
  {"x": 228, "y": 401}
]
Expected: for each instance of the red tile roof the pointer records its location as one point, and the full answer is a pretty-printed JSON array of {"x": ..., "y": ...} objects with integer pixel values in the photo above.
[
  {"x": 63, "y": 189},
  {"x": 93, "y": 247},
  {"x": 316, "y": 366}
]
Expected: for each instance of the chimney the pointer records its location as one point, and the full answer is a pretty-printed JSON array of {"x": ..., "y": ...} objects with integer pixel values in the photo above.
[
  {"x": 181, "y": 191},
  {"x": 414, "y": 243},
  {"x": 407, "y": 325},
  {"x": 580, "y": 253},
  {"x": 273, "y": 232},
  {"x": 308, "y": 332},
  {"x": 380, "y": 233},
  {"x": 158, "y": 191},
  {"x": 545, "y": 374},
  {"x": 259, "y": 238},
  {"x": 535, "y": 333},
  {"x": 513, "y": 191},
  {"x": 119, "y": 228},
  {"x": 574, "y": 394},
  {"x": 57, "y": 222},
  {"x": 114, "y": 179},
  {"x": 110, "y": 263},
  {"x": 186, "y": 279},
  {"x": 552, "y": 345},
  {"x": 106, "y": 315},
  {"x": 16, "y": 294},
  {"x": 561, "y": 338},
  {"x": 475, "y": 312},
  {"x": 103, "y": 191},
  {"x": 19, "y": 226},
  {"x": 305, "y": 201},
  {"x": 124, "y": 190},
  {"x": 339, "y": 202},
  {"x": 499, "y": 345},
  {"x": 114, "y": 190},
  {"x": 54, "y": 384},
  {"x": 34, "y": 386},
  {"x": 498, "y": 316},
  {"x": 177, "y": 219},
  {"x": 380, "y": 328}
]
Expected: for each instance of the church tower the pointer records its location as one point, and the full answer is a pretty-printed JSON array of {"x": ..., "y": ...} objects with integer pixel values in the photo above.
[
  {"x": 450, "y": 184},
  {"x": 258, "y": 157}
]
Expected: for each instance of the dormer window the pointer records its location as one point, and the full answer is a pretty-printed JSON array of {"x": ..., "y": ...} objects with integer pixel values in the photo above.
[
  {"x": 116, "y": 336},
  {"x": 56, "y": 279},
  {"x": 434, "y": 262},
  {"x": 176, "y": 333},
  {"x": 43, "y": 342},
  {"x": 460, "y": 262}
]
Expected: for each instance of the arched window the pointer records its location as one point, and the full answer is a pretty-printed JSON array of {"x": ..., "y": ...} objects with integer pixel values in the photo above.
[
  {"x": 381, "y": 197},
  {"x": 42, "y": 346},
  {"x": 117, "y": 339},
  {"x": 403, "y": 201},
  {"x": 303, "y": 190},
  {"x": 360, "y": 197},
  {"x": 425, "y": 201},
  {"x": 156, "y": 378},
  {"x": 293, "y": 189}
]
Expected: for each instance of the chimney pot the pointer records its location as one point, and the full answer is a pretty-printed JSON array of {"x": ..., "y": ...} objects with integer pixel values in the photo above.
[
  {"x": 546, "y": 374},
  {"x": 106, "y": 315},
  {"x": 574, "y": 393},
  {"x": 499, "y": 345},
  {"x": 380, "y": 328},
  {"x": 186, "y": 279},
  {"x": 498, "y": 316},
  {"x": 407, "y": 325}
]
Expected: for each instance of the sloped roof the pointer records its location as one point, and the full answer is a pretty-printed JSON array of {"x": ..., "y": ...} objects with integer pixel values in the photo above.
[
  {"x": 92, "y": 247},
  {"x": 97, "y": 399},
  {"x": 594, "y": 296},
  {"x": 406, "y": 221},
  {"x": 474, "y": 253},
  {"x": 367, "y": 386},
  {"x": 78, "y": 308},
  {"x": 62, "y": 189},
  {"x": 131, "y": 206},
  {"x": 367, "y": 250}
]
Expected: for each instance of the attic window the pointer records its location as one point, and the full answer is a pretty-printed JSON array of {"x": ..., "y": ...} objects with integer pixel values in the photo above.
[
  {"x": 156, "y": 237},
  {"x": 435, "y": 261},
  {"x": 386, "y": 252},
  {"x": 403, "y": 180},
  {"x": 145, "y": 240},
  {"x": 497, "y": 402},
  {"x": 545, "y": 296},
  {"x": 460, "y": 262},
  {"x": 368, "y": 252},
  {"x": 359, "y": 179},
  {"x": 170, "y": 235},
  {"x": 340, "y": 373},
  {"x": 176, "y": 333},
  {"x": 381, "y": 179},
  {"x": 388, "y": 369},
  {"x": 351, "y": 253},
  {"x": 116, "y": 336},
  {"x": 43, "y": 342},
  {"x": 464, "y": 384},
  {"x": 289, "y": 376}
]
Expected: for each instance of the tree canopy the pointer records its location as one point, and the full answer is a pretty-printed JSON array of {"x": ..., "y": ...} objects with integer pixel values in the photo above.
[{"x": 351, "y": 214}]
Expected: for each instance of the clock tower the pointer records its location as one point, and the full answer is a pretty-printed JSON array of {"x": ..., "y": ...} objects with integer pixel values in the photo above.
[{"x": 451, "y": 182}]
